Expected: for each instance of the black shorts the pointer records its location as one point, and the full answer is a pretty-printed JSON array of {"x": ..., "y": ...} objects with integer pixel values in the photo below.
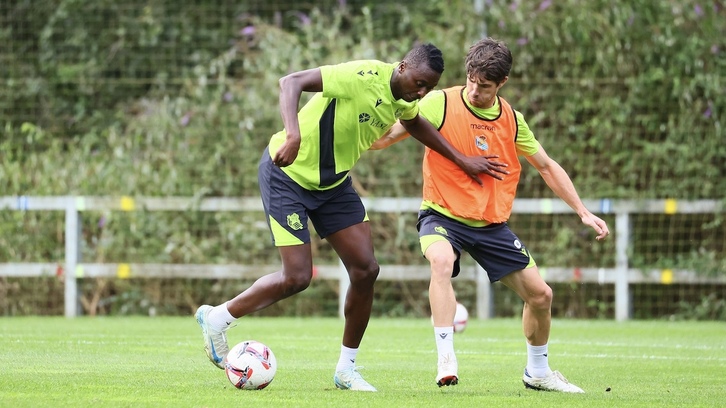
[
  {"x": 494, "y": 247},
  {"x": 288, "y": 206}
]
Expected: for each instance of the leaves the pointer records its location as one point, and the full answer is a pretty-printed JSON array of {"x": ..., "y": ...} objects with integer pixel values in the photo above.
[{"x": 178, "y": 99}]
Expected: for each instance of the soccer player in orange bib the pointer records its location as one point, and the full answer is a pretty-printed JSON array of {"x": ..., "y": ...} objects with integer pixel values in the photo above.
[{"x": 457, "y": 214}]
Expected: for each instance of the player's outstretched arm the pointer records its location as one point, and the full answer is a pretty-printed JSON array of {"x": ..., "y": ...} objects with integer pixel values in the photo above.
[
  {"x": 426, "y": 133},
  {"x": 394, "y": 135},
  {"x": 559, "y": 181}
]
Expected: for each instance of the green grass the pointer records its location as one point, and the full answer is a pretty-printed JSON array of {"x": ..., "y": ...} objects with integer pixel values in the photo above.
[{"x": 159, "y": 362}]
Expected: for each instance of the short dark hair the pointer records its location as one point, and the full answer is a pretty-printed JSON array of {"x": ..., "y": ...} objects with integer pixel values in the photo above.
[
  {"x": 426, "y": 54},
  {"x": 489, "y": 59}
]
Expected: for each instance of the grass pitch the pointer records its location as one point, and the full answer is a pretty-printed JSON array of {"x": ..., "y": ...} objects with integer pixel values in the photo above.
[{"x": 160, "y": 362}]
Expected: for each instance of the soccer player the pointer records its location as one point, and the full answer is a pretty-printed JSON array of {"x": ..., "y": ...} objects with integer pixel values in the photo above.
[
  {"x": 459, "y": 215},
  {"x": 303, "y": 175}
]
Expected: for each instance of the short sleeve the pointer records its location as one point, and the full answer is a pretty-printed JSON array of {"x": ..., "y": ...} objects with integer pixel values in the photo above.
[
  {"x": 411, "y": 112},
  {"x": 527, "y": 145},
  {"x": 432, "y": 107},
  {"x": 343, "y": 80}
]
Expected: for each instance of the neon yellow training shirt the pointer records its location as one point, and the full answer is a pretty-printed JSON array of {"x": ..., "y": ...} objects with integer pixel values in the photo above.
[{"x": 337, "y": 125}]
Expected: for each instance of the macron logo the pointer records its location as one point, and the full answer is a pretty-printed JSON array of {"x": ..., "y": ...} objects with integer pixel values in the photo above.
[{"x": 378, "y": 102}]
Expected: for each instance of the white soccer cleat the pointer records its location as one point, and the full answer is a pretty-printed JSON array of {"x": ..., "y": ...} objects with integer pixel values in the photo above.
[
  {"x": 215, "y": 341},
  {"x": 351, "y": 379},
  {"x": 555, "y": 381},
  {"x": 447, "y": 373}
]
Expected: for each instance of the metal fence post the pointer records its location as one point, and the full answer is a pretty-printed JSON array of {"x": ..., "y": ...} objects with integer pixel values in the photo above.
[
  {"x": 622, "y": 290},
  {"x": 72, "y": 255}
]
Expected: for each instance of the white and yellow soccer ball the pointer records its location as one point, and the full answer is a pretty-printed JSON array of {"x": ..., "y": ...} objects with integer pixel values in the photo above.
[{"x": 250, "y": 365}]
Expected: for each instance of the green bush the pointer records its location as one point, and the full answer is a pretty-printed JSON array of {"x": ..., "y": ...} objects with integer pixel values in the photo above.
[{"x": 174, "y": 98}]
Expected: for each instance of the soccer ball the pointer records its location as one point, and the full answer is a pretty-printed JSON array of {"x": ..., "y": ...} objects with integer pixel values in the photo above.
[
  {"x": 250, "y": 365},
  {"x": 460, "y": 318}
]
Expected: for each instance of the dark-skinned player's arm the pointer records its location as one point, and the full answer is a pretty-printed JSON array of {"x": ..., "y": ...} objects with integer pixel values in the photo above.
[
  {"x": 291, "y": 87},
  {"x": 423, "y": 131},
  {"x": 394, "y": 135}
]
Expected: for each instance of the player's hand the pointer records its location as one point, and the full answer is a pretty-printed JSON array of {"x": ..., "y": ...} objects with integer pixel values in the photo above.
[
  {"x": 476, "y": 165},
  {"x": 287, "y": 153},
  {"x": 597, "y": 224}
]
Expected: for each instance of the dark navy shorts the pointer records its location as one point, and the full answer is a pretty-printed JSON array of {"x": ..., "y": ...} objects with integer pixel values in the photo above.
[
  {"x": 494, "y": 247},
  {"x": 288, "y": 206}
]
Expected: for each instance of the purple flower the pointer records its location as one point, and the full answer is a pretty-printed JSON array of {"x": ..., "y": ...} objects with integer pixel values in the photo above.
[
  {"x": 304, "y": 19},
  {"x": 227, "y": 97},
  {"x": 102, "y": 221},
  {"x": 545, "y": 5},
  {"x": 522, "y": 41},
  {"x": 714, "y": 49},
  {"x": 514, "y": 6},
  {"x": 698, "y": 10},
  {"x": 248, "y": 31},
  {"x": 501, "y": 24},
  {"x": 185, "y": 119},
  {"x": 709, "y": 110}
]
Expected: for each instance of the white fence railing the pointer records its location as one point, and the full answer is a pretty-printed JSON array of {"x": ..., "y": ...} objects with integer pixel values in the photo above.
[{"x": 621, "y": 276}]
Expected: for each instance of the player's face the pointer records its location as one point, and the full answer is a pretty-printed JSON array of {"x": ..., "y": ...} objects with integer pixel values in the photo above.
[
  {"x": 414, "y": 82},
  {"x": 482, "y": 92}
]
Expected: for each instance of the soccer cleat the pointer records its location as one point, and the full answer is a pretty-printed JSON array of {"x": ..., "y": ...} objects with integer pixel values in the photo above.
[
  {"x": 448, "y": 366},
  {"x": 215, "y": 341},
  {"x": 351, "y": 379},
  {"x": 555, "y": 381}
]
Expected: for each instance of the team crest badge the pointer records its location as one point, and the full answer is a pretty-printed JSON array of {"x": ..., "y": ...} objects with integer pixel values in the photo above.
[
  {"x": 293, "y": 221},
  {"x": 481, "y": 142}
]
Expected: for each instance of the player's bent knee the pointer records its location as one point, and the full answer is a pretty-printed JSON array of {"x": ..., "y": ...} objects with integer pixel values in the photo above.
[
  {"x": 364, "y": 276},
  {"x": 296, "y": 283},
  {"x": 442, "y": 266},
  {"x": 442, "y": 261},
  {"x": 542, "y": 299}
]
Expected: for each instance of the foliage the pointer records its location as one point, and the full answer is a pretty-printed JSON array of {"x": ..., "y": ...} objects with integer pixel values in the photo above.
[
  {"x": 170, "y": 98},
  {"x": 710, "y": 308},
  {"x": 175, "y": 97}
]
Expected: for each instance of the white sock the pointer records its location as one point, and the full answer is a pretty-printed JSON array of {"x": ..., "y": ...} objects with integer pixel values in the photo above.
[
  {"x": 537, "y": 363},
  {"x": 347, "y": 358},
  {"x": 444, "y": 341},
  {"x": 220, "y": 318}
]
